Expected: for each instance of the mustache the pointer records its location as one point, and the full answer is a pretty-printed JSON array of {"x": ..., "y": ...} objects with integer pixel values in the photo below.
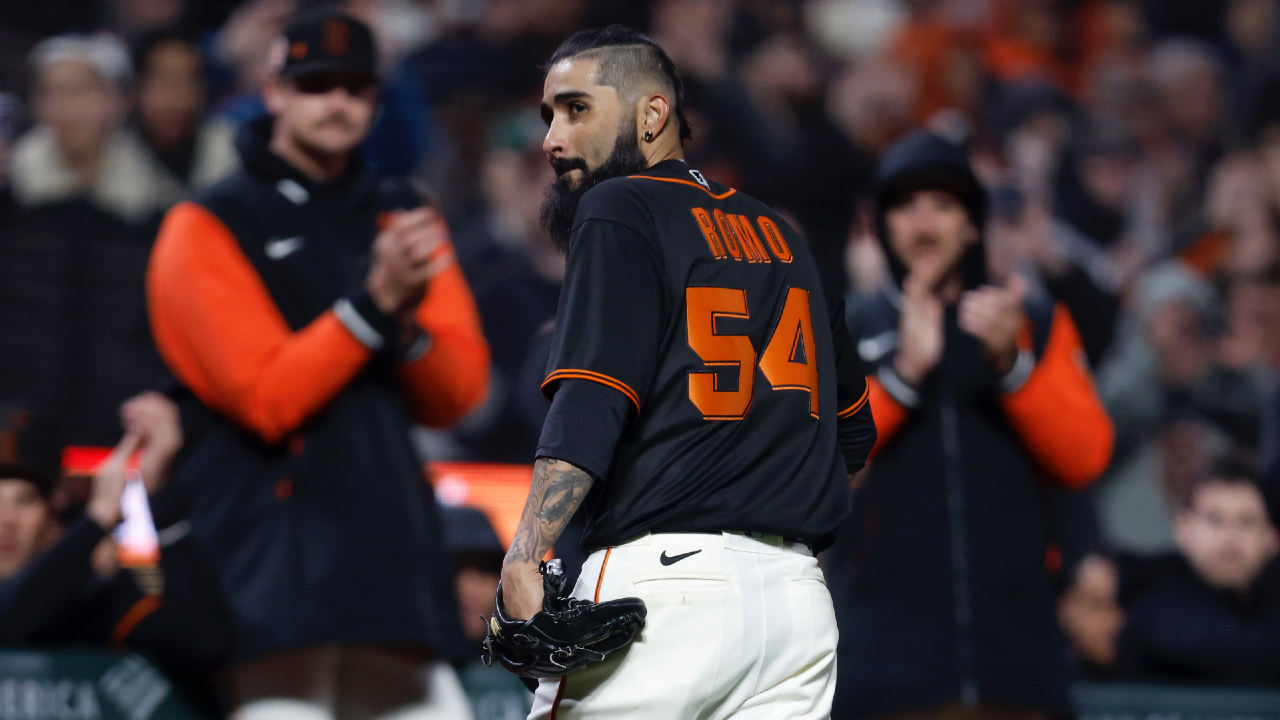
[
  {"x": 563, "y": 165},
  {"x": 336, "y": 119}
]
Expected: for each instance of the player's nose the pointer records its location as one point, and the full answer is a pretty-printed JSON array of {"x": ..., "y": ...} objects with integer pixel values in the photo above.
[{"x": 553, "y": 144}]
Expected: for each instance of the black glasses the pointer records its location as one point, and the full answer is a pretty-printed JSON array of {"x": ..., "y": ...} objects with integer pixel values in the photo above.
[{"x": 355, "y": 84}]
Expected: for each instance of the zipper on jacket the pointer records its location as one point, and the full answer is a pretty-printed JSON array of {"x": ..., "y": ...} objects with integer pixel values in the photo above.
[{"x": 959, "y": 547}]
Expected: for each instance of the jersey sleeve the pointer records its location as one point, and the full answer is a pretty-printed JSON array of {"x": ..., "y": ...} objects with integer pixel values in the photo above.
[
  {"x": 608, "y": 327},
  {"x": 222, "y": 335},
  {"x": 855, "y": 427}
]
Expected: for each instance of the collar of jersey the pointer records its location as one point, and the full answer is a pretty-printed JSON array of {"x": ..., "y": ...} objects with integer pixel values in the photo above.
[{"x": 678, "y": 171}]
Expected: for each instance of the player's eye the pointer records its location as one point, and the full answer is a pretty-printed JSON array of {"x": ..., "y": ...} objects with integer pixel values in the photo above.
[{"x": 576, "y": 109}]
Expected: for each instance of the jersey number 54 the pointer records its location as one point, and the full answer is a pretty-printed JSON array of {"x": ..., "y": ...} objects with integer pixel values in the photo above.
[{"x": 788, "y": 360}]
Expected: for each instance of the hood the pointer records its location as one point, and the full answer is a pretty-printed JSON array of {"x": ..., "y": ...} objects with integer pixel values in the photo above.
[
  {"x": 1074, "y": 205},
  {"x": 925, "y": 161}
]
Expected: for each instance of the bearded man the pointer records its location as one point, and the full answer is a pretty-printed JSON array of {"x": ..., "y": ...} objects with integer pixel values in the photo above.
[
  {"x": 313, "y": 311},
  {"x": 707, "y": 411}
]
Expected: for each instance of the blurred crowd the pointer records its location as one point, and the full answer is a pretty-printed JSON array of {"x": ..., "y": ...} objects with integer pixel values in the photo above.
[{"x": 1130, "y": 150}]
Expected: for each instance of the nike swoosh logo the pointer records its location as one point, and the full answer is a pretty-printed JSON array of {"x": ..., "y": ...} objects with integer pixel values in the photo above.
[
  {"x": 279, "y": 249},
  {"x": 665, "y": 560}
]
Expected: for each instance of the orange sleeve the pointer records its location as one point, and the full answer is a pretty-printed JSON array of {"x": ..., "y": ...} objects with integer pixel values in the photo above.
[
  {"x": 453, "y": 376},
  {"x": 1057, "y": 412},
  {"x": 221, "y": 334},
  {"x": 889, "y": 414}
]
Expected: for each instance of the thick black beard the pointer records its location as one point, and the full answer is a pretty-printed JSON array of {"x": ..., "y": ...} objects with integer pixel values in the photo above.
[{"x": 561, "y": 204}]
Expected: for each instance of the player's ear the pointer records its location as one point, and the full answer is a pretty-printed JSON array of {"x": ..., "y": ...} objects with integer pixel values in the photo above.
[{"x": 654, "y": 113}]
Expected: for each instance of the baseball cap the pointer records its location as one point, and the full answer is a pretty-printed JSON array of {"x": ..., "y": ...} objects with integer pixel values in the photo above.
[
  {"x": 327, "y": 40},
  {"x": 30, "y": 448}
]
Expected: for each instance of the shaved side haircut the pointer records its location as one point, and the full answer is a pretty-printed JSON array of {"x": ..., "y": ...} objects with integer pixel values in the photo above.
[{"x": 630, "y": 62}]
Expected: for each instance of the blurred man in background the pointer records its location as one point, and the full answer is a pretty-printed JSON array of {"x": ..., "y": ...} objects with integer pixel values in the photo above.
[
  {"x": 313, "y": 309},
  {"x": 87, "y": 196},
  {"x": 1091, "y": 617},
  {"x": 74, "y": 593},
  {"x": 1213, "y": 616},
  {"x": 944, "y": 601},
  {"x": 80, "y": 146},
  {"x": 194, "y": 151},
  {"x": 495, "y": 694}
]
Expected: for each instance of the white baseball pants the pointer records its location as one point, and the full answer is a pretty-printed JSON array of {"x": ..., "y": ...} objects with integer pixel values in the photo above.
[{"x": 738, "y": 627}]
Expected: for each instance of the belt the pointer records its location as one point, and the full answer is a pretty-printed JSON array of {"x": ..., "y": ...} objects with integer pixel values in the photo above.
[{"x": 754, "y": 535}]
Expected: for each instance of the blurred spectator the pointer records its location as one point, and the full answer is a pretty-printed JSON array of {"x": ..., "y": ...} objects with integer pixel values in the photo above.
[
  {"x": 73, "y": 335},
  {"x": 196, "y": 151},
  {"x": 1175, "y": 404},
  {"x": 944, "y": 600},
  {"x": 1187, "y": 75},
  {"x": 1090, "y": 615},
  {"x": 134, "y": 18},
  {"x": 74, "y": 592},
  {"x": 1214, "y": 617},
  {"x": 495, "y": 694},
  {"x": 313, "y": 309},
  {"x": 1267, "y": 314},
  {"x": 80, "y": 146},
  {"x": 404, "y": 127},
  {"x": 515, "y": 271}
]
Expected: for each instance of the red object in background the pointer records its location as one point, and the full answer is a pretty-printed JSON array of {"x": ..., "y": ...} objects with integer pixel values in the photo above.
[
  {"x": 85, "y": 460},
  {"x": 498, "y": 490}
]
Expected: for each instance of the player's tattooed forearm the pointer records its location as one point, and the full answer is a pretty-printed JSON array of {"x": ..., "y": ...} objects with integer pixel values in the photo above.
[{"x": 558, "y": 488}]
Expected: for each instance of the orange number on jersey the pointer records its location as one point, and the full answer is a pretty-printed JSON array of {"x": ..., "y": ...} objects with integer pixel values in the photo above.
[
  {"x": 788, "y": 360},
  {"x": 705, "y": 305}
]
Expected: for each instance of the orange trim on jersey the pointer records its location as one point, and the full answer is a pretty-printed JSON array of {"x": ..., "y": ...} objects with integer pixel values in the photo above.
[
  {"x": 601, "y": 378},
  {"x": 603, "y": 564},
  {"x": 690, "y": 183},
  {"x": 136, "y": 614},
  {"x": 866, "y": 393}
]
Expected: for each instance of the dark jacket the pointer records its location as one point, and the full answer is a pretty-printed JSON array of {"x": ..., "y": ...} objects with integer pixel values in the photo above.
[
  {"x": 74, "y": 341},
  {"x": 1182, "y": 630},
  {"x": 307, "y": 494},
  {"x": 939, "y": 575}
]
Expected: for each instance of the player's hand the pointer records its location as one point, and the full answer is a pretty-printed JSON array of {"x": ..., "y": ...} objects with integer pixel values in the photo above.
[
  {"x": 993, "y": 314},
  {"x": 108, "y": 485},
  {"x": 153, "y": 418},
  {"x": 920, "y": 334},
  {"x": 412, "y": 249},
  {"x": 522, "y": 590}
]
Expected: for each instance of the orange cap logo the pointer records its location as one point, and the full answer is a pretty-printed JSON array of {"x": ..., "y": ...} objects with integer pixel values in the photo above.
[{"x": 336, "y": 34}]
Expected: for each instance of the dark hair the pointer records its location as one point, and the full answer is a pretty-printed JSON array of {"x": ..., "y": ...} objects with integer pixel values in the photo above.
[
  {"x": 616, "y": 68},
  {"x": 141, "y": 48},
  {"x": 1233, "y": 467}
]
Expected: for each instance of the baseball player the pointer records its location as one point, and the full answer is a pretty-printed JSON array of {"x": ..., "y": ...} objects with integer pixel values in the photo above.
[{"x": 707, "y": 408}]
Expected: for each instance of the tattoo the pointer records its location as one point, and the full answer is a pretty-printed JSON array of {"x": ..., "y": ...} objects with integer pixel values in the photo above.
[{"x": 557, "y": 490}]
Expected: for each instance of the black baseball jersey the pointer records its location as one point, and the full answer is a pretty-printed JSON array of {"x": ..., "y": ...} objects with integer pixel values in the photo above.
[{"x": 695, "y": 369}]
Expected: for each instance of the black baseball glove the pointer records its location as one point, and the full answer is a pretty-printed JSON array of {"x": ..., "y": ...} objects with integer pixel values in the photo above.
[{"x": 565, "y": 635}]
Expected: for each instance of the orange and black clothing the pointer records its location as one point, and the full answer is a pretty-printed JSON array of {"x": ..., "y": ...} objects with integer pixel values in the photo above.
[
  {"x": 939, "y": 576},
  {"x": 695, "y": 369},
  {"x": 306, "y": 488}
]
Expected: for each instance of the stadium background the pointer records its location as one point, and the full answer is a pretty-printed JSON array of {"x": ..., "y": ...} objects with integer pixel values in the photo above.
[{"x": 1131, "y": 148}]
